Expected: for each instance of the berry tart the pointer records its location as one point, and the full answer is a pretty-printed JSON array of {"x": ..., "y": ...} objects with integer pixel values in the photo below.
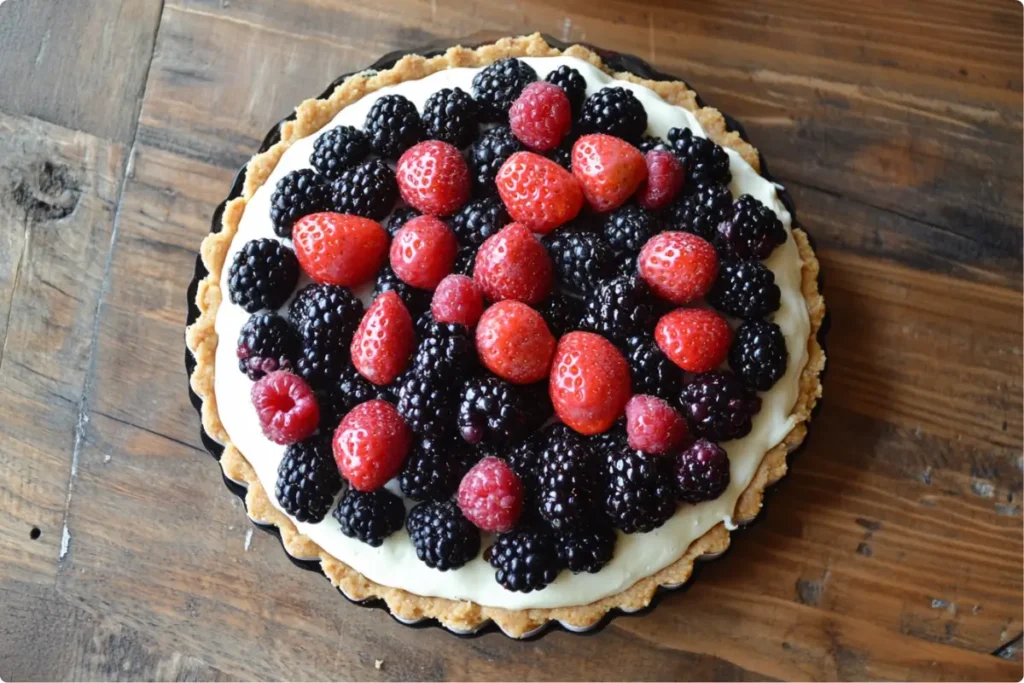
[{"x": 501, "y": 335}]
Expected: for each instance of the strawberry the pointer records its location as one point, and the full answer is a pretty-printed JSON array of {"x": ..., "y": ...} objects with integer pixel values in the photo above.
[
  {"x": 609, "y": 170},
  {"x": 665, "y": 177},
  {"x": 695, "y": 339},
  {"x": 339, "y": 249},
  {"x": 370, "y": 444},
  {"x": 653, "y": 426},
  {"x": 537, "y": 192},
  {"x": 457, "y": 299},
  {"x": 541, "y": 116},
  {"x": 433, "y": 178},
  {"x": 423, "y": 252},
  {"x": 590, "y": 382},
  {"x": 678, "y": 266},
  {"x": 512, "y": 264},
  {"x": 384, "y": 339},
  {"x": 286, "y": 407},
  {"x": 514, "y": 342}
]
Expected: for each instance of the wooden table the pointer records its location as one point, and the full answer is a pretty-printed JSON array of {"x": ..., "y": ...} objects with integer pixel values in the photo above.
[{"x": 892, "y": 550}]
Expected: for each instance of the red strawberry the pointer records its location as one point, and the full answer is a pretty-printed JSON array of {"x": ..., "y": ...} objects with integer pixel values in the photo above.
[
  {"x": 423, "y": 252},
  {"x": 609, "y": 170},
  {"x": 695, "y": 339},
  {"x": 537, "y": 192},
  {"x": 653, "y": 426},
  {"x": 590, "y": 382},
  {"x": 664, "y": 180},
  {"x": 370, "y": 444},
  {"x": 286, "y": 407},
  {"x": 678, "y": 266},
  {"x": 512, "y": 264},
  {"x": 384, "y": 339},
  {"x": 457, "y": 299},
  {"x": 339, "y": 249},
  {"x": 433, "y": 177},
  {"x": 541, "y": 116},
  {"x": 491, "y": 495},
  {"x": 514, "y": 342}
]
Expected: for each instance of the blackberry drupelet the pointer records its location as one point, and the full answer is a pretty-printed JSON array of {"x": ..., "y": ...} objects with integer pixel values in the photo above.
[
  {"x": 619, "y": 308},
  {"x": 719, "y": 406},
  {"x": 370, "y": 516},
  {"x": 450, "y": 115},
  {"x": 745, "y": 289},
  {"x": 652, "y": 371},
  {"x": 493, "y": 411},
  {"x": 447, "y": 350},
  {"x": 758, "y": 354},
  {"x": 649, "y": 142},
  {"x": 262, "y": 275},
  {"x": 393, "y": 125},
  {"x": 479, "y": 219},
  {"x": 369, "y": 190},
  {"x": 297, "y": 194},
  {"x": 400, "y": 217},
  {"x": 465, "y": 259},
  {"x": 561, "y": 313},
  {"x": 415, "y": 299},
  {"x": 497, "y": 87},
  {"x": 752, "y": 231},
  {"x": 443, "y": 538},
  {"x": 525, "y": 560},
  {"x": 266, "y": 343},
  {"x": 572, "y": 82},
  {"x": 615, "y": 111},
  {"x": 639, "y": 495},
  {"x": 434, "y": 468},
  {"x": 307, "y": 479},
  {"x": 486, "y": 156},
  {"x": 628, "y": 228},
  {"x": 567, "y": 479},
  {"x": 586, "y": 549},
  {"x": 337, "y": 149},
  {"x": 700, "y": 211},
  {"x": 426, "y": 402},
  {"x": 702, "y": 472},
  {"x": 702, "y": 159},
  {"x": 580, "y": 258}
]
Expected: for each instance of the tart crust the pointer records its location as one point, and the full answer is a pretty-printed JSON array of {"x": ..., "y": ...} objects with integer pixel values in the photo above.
[{"x": 466, "y": 616}]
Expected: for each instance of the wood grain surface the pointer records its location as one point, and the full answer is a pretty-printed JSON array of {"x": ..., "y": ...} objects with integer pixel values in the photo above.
[{"x": 893, "y": 549}]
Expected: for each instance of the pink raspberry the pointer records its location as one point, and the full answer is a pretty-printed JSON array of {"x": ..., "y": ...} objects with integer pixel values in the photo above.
[
  {"x": 457, "y": 299},
  {"x": 541, "y": 116},
  {"x": 286, "y": 407},
  {"x": 653, "y": 426},
  {"x": 491, "y": 495},
  {"x": 664, "y": 180}
]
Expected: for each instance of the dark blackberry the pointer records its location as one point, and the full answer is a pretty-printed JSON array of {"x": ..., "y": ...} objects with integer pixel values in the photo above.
[
  {"x": 699, "y": 212},
  {"x": 415, "y": 299},
  {"x": 448, "y": 351},
  {"x": 494, "y": 411},
  {"x": 479, "y": 219},
  {"x": 266, "y": 343},
  {"x": 702, "y": 472},
  {"x": 426, "y": 326},
  {"x": 586, "y": 549},
  {"x": 297, "y": 194},
  {"x": 487, "y": 154},
  {"x": 524, "y": 459},
  {"x": 497, "y": 87},
  {"x": 262, "y": 275},
  {"x": 443, "y": 538},
  {"x": 567, "y": 481},
  {"x": 628, "y": 228},
  {"x": 719, "y": 406},
  {"x": 338, "y": 149},
  {"x": 745, "y": 289},
  {"x": 652, "y": 372},
  {"x": 393, "y": 125},
  {"x": 400, "y": 217},
  {"x": 320, "y": 365},
  {"x": 561, "y": 313},
  {"x": 649, "y": 142},
  {"x": 702, "y": 159},
  {"x": 627, "y": 266},
  {"x": 307, "y": 479},
  {"x": 580, "y": 258},
  {"x": 572, "y": 82},
  {"x": 619, "y": 308},
  {"x": 615, "y": 111},
  {"x": 369, "y": 190},
  {"x": 327, "y": 317},
  {"x": 639, "y": 494},
  {"x": 526, "y": 560},
  {"x": 752, "y": 232},
  {"x": 433, "y": 469},
  {"x": 351, "y": 389},
  {"x": 450, "y": 115},
  {"x": 465, "y": 260},
  {"x": 370, "y": 516},
  {"x": 758, "y": 354},
  {"x": 562, "y": 155},
  {"x": 426, "y": 402}
]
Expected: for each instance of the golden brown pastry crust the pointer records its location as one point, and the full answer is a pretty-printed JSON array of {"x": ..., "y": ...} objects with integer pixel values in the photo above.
[{"x": 201, "y": 339}]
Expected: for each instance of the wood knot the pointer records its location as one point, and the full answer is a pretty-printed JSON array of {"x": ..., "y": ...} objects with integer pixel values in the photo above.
[{"x": 50, "y": 192}]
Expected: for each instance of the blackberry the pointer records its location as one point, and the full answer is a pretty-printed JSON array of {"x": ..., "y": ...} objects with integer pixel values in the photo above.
[
  {"x": 702, "y": 159},
  {"x": 628, "y": 228},
  {"x": 752, "y": 232},
  {"x": 572, "y": 82},
  {"x": 758, "y": 354},
  {"x": 524, "y": 459},
  {"x": 307, "y": 479},
  {"x": 652, "y": 372},
  {"x": 627, "y": 266},
  {"x": 494, "y": 411},
  {"x": 479, "y": 219},
  {"x": 525, "y": 560},
  {"x": 399, "y": 218},
  {"x": 745, "y": 289},
  {"x": 639, "y": 495},
  {"x": 321, "y": 366},
  {"x": 719, "y": 406},
  {"x": 702, "y": 472},
  {"x": 567, "y": 479},
  {"x": 426, "y": 326},
  {"x": 446, "y": 350},
  {"x": 262, "y": 275},
  {"x": 497, "y": 87},
  {"x": 297, "y": 194},
  {"x": 649, "y": 142},
  {"x": 393, "y": 125},
  {"x": 327, "y": 317},
  {"x": 443, "y": 538},
  {"x": 351, "y": 389},
  {"x": 266, "y": 343},
  {"x": 338, "y": 149},
  {"x": 465, "y": 260},
  {"x": 433, "y": 469},
  {"x": 562, "y": 155},
  {"x": 415, "y": 299},
  {"x": 370, "y": 516},
  {"x": 580, "y": 258},
  {"x": 561, "y": 313},
  {"x": 615, "y": 111},
  {"x": 425, "y": 401},
  {"x": 450, "y": 115},
  {"x": 700, "y": 211},
  {"x": 487, "y": 155},
  {"x": 369, "y": 190},
  {"x": 586, "y": 549},
  {"x": 619, "y": 308}
]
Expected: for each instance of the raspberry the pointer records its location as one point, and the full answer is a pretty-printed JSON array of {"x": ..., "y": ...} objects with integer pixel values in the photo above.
[
  {"x": 758, "y": 354},
  {"x": 619, "y": 308},
  {"x": 337, "y": 249},
  {"x": 702, "y": 472},
  {"x": 699, "y": 212},
  {"x": 286, "y": 407},
  {"x": 587, "y": 549},
  {"x": 263, "y": 274},
  {"x": 425, "y": 402},
  {"x": 639, "y": 494},
  {"x": 703, "y": 160},
  {"x": 400, "y": 217},
  {"x": 665, "y": 178},
  {"x": 368, "y": 190},
  {"x": 514, "y": 342},
  {"x": 537, "y": 192},
  {"x": 487, "y": 155},
  {"x": 497, "y": 87},
  {"x": 416, "y": 300},
  {"x": 678, "y": 266},
  {"x": 695, "y": 339},
  {"x": 338, "y": 149},
  {"x": 393, "y": 125},
  {"x": 423, "y": 252},
  {"x": 457, "y": 299},
  {"x": 491, "y": 495},
  {"x": 745, "y": 289},
  {"x": 719, "y": 406},
  {"x": 449, "y": 115},
  {"x": 752, "y": 232},
  {"x": 628, "y": 228},
  {"x": 541, "y": 116},
  {"x": 266, "y": 343},
  {"x": 609, "y": 169},
  {"x": 297, "y": 194},
  {"x": 370, "y": 444},
  {"x": 652, "y": 372},
  {"x": 370, "y": 516},
  {"x": 572, "y": 82},
  {"x": 434, "y": 468},
  {"x": 525, "y": 560},
  {"x": 567, "y": 479},
  {"x": 433, "y": 178},
  {"x": 307, "y": 480},
  {"x": 443, "y": 538},
  {"x": 513, "y": 265},
  {"x": 581, "y": 258},
  {"x": 561, "y": 313},
  {"x": 384, "y": 340},
  {"x": 492, "y": 411},
  {"x": 653, "y": 426},
  {"x": 617, "y": 112},
  {"x": 590, "y": 382}
]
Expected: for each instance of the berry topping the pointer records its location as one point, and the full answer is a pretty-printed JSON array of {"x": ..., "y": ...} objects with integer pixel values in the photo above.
[
  {"x": 653, "y": 426},
  {"x": 699, "y": 212},
  {"x": 619, "y": 308},
  {"x": 479, "y": 219},
  {"x": 525, "y": 560},
  {"x": 426, "y": 402},
  {"x": 393, "y": 125},
  {"x": 370, "y": 444},
  {"x": 537, "y": 192},
  {"x": 491, "y": 495},
  {"x": 266, "y": 343},
  {"x": 581, "y": 258},
  {"x": 703, "y": 160},
  {"x": 695, "y": 339},
  {"x": 665, "y": 178},
  {"x": 745, "y": 289},
  {"x": 368, "y": 190},
  {"x": 348, "y": 390},
  {"x": 449, "y": 115},
  {"x": 497, "y": 87},
  {"x": 752, "y": 232},
  {"x": 434, "y": 468},
  {"x": 758, "y": 354},
  {"x": 567, "y": 478},
  {"x": 653, "y": 373},
  {"x": 628, "y": 228},
  {"x": 457, "y": 299},
  {"x": 307, "y": 480},
  {"x": 541, "y": 116},
  {"x": 678, "y": 266},
  {"x": 572, "y": 82},
  {"x": 286, "y": 407},
  {"x": 488, "y": 153},
  {"x": 416, "y": 300},
  {"x": 719, "y": 406},
  {"x": 492, "y": 411},
  {"x": 445, "y": 348},
  {"x": 339, "y": 249},
  {"x": 587, "y": 549},
  {"x": 702, "y": 472},
  {"x": 400, "y": 217},
  {"x": 443, "y": 538},
  {"x": 326, "y": 316},
  {"x": 263, "y": 275},
  {"x": 339, "y": 148},
  {"x": 590, "y": 382},
  {"x": 609, "y": 169},
  {"x": 370, "y": 516},
  {"x": 513, "y": 265},
  {"x": 384, "y": 340},
  {"x": 423, "y": 252},
  {"x": 514, "y": 343},
  {"x": 561, "y": 313},
  {"x": 639, "y": 494},
  {"x": 433, "y": 178},
  {"x": 297, "y": 194},
  {"x": 615, "y": 111}
]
